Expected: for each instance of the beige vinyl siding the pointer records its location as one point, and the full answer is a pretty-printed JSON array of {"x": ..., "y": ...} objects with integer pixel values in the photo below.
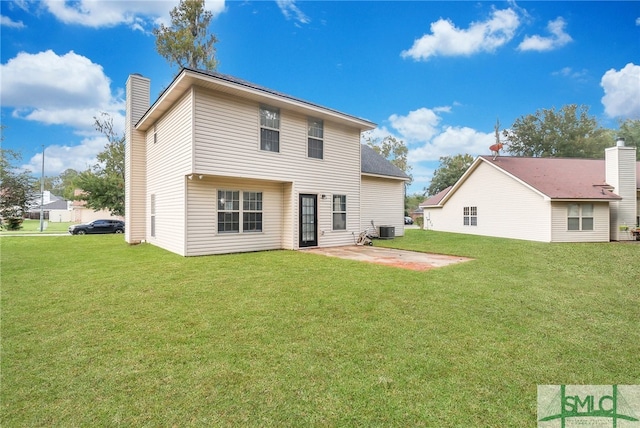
[
  {"x": 506, "y": 208},
  {"x": 289, "y": 217},
  {"x": 170, "y": 158},
  {"x": 621, "y": 174},
  {"x": 227, "y": 143},
  {"x": 135, "y": 159},
  {"x": 202, "y": 235},
  {"x": 560, "y": 232},
  {"x": 382, "y": 202}
]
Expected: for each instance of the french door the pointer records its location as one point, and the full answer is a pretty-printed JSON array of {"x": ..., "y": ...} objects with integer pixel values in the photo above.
[{"x": 308, "y": 207}]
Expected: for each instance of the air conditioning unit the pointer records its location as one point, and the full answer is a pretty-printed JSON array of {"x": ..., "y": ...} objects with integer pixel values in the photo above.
[{"x": 387, "y": 232}]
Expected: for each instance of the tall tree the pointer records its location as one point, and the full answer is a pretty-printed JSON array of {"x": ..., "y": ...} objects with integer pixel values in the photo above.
[
  {"x": 450, "y": 170},
  {"x": 187, "y": 42},
  {"x": 103, "y": 184},
  {"x": 16, "y": 190},
  {"x": 569, "y": 132},
  {"x": 394, "y": 150},
  {"x": 630, "y": 131}
]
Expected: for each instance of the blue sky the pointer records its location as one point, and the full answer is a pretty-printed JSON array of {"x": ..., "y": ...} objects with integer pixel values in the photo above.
[{"x": 435, "y": 74}]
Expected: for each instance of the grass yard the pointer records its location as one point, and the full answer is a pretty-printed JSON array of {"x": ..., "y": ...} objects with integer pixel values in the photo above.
[
  {"x": 33, "y": 227},
  {"x": 99, "y": 333}
]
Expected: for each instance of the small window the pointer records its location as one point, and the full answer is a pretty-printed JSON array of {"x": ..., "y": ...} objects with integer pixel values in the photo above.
[
  {"x": 269, "y": 129},
  {"x": 339, "y": 212},
  {"x": 580, "y": 217},
  {"x": 315, "y": 144},
  {"x": 470, "y": 216}
]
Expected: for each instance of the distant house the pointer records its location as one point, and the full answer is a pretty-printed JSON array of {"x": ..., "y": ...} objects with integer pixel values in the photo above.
[
  {"x": 543, "y": 199},
  {"x": 54, "y": 208},
  {"x": 221, "y": 165},
  {"x": 82, "y": 214}
]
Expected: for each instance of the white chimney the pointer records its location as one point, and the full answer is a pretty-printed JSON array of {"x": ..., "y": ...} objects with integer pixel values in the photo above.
[
  {"x": 135, "y": 159},
  {"x": 620, "y": 165}
]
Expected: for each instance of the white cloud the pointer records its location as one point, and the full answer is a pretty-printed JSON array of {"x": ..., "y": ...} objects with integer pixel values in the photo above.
[
  {"x": 557, "y": 39},
  {"x": 428, "y": 140},
  {"x": 622, "y": 92},
  {"x": 5, "y": 21},
  {"x": 62, "y": 90},
  {"x": 137, "y": 14},
  {"x": 418, "y": 125},
  {"x": 580, "y": 76},
  {"x": 447, "y": 40},
  {"x": 67, "y": 90},
  {"x": 291, "y": 11},
  {"x": 638, "y": 21},
  {"x": 451, "y": 141},
  {"x": 58, "y": 158}
]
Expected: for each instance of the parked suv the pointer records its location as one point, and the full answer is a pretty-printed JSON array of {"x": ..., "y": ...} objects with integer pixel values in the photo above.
[{"x": 97, "y": 226}]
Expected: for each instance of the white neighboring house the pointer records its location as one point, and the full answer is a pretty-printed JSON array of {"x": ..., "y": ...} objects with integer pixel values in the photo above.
[
  {"x": 221, "y": 165},
  {"x": 543, "y": 199}
]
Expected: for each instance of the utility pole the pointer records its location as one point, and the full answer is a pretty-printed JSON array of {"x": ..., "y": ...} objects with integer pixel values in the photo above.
[{"x": 42, "y": 193}]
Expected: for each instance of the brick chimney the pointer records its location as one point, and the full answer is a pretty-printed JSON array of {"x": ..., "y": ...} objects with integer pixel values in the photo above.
[
  {"x": 620, "y": 164},
  {"x": 135, "y": 159}
]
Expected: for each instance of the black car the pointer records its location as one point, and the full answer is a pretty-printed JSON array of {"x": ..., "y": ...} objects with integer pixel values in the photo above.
[{"x": 97, "y": 226}]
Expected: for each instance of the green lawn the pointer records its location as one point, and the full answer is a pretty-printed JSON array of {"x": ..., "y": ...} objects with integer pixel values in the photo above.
[
  {"x": 99, "y": 333},
  {"x": 33, "y": 227}
]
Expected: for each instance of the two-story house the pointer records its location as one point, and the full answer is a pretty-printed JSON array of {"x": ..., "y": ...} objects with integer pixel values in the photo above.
[{"x": 220, "y": 165}]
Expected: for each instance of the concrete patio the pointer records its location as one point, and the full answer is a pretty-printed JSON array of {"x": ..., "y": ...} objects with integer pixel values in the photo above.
[{"x": 390, "y": 257}]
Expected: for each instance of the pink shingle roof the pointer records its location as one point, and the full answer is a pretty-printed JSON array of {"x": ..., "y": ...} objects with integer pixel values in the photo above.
[
  {"x": 558, "y": 178},
  {"x": 435, "y": 199}
]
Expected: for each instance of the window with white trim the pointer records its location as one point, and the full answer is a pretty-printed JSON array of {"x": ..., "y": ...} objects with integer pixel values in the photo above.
[
  {"x": 153, "y": 214},
  {"x": 230, "y": 211},
  {"x": 315, "y": 142},
  {"x": 580, "y": 217},
  {"x": 252, "y": 211},
  {"x": 470, "y": 216},
  {"x": 269, "y": 129},
  {"x": 339, "y": 209}
]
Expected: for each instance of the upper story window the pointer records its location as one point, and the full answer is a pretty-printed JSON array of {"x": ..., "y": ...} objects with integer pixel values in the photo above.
[
  {"x": 470, "y": 216},
  {"x": 269, "y": 129},
  {"x": 315, "y": 145},
  {"x": 580, "y": 217}
]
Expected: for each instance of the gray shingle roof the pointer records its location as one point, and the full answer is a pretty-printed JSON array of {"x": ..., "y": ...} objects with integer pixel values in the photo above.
[{"x": 373, "y": 163}]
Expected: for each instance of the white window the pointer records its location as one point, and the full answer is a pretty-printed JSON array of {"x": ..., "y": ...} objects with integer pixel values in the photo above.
[
  {"x": 580, "y": 217},
  {"x": 252, "y": 211},
  {"x": 339, "y": 212},
  {"x": 269, "y": 129},
  {"x": 153, "y": 214},
  {"x": 230, "y": 211},
  {"x": 315, "y": 143},
  {"x": 470, "y": 216}
]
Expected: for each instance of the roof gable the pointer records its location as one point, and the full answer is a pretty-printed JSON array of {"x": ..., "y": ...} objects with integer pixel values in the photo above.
[
  {"x": 188, "y": 78},
  {"x": 554, "y": 178},
  {"x": 558, "y": 178}
]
